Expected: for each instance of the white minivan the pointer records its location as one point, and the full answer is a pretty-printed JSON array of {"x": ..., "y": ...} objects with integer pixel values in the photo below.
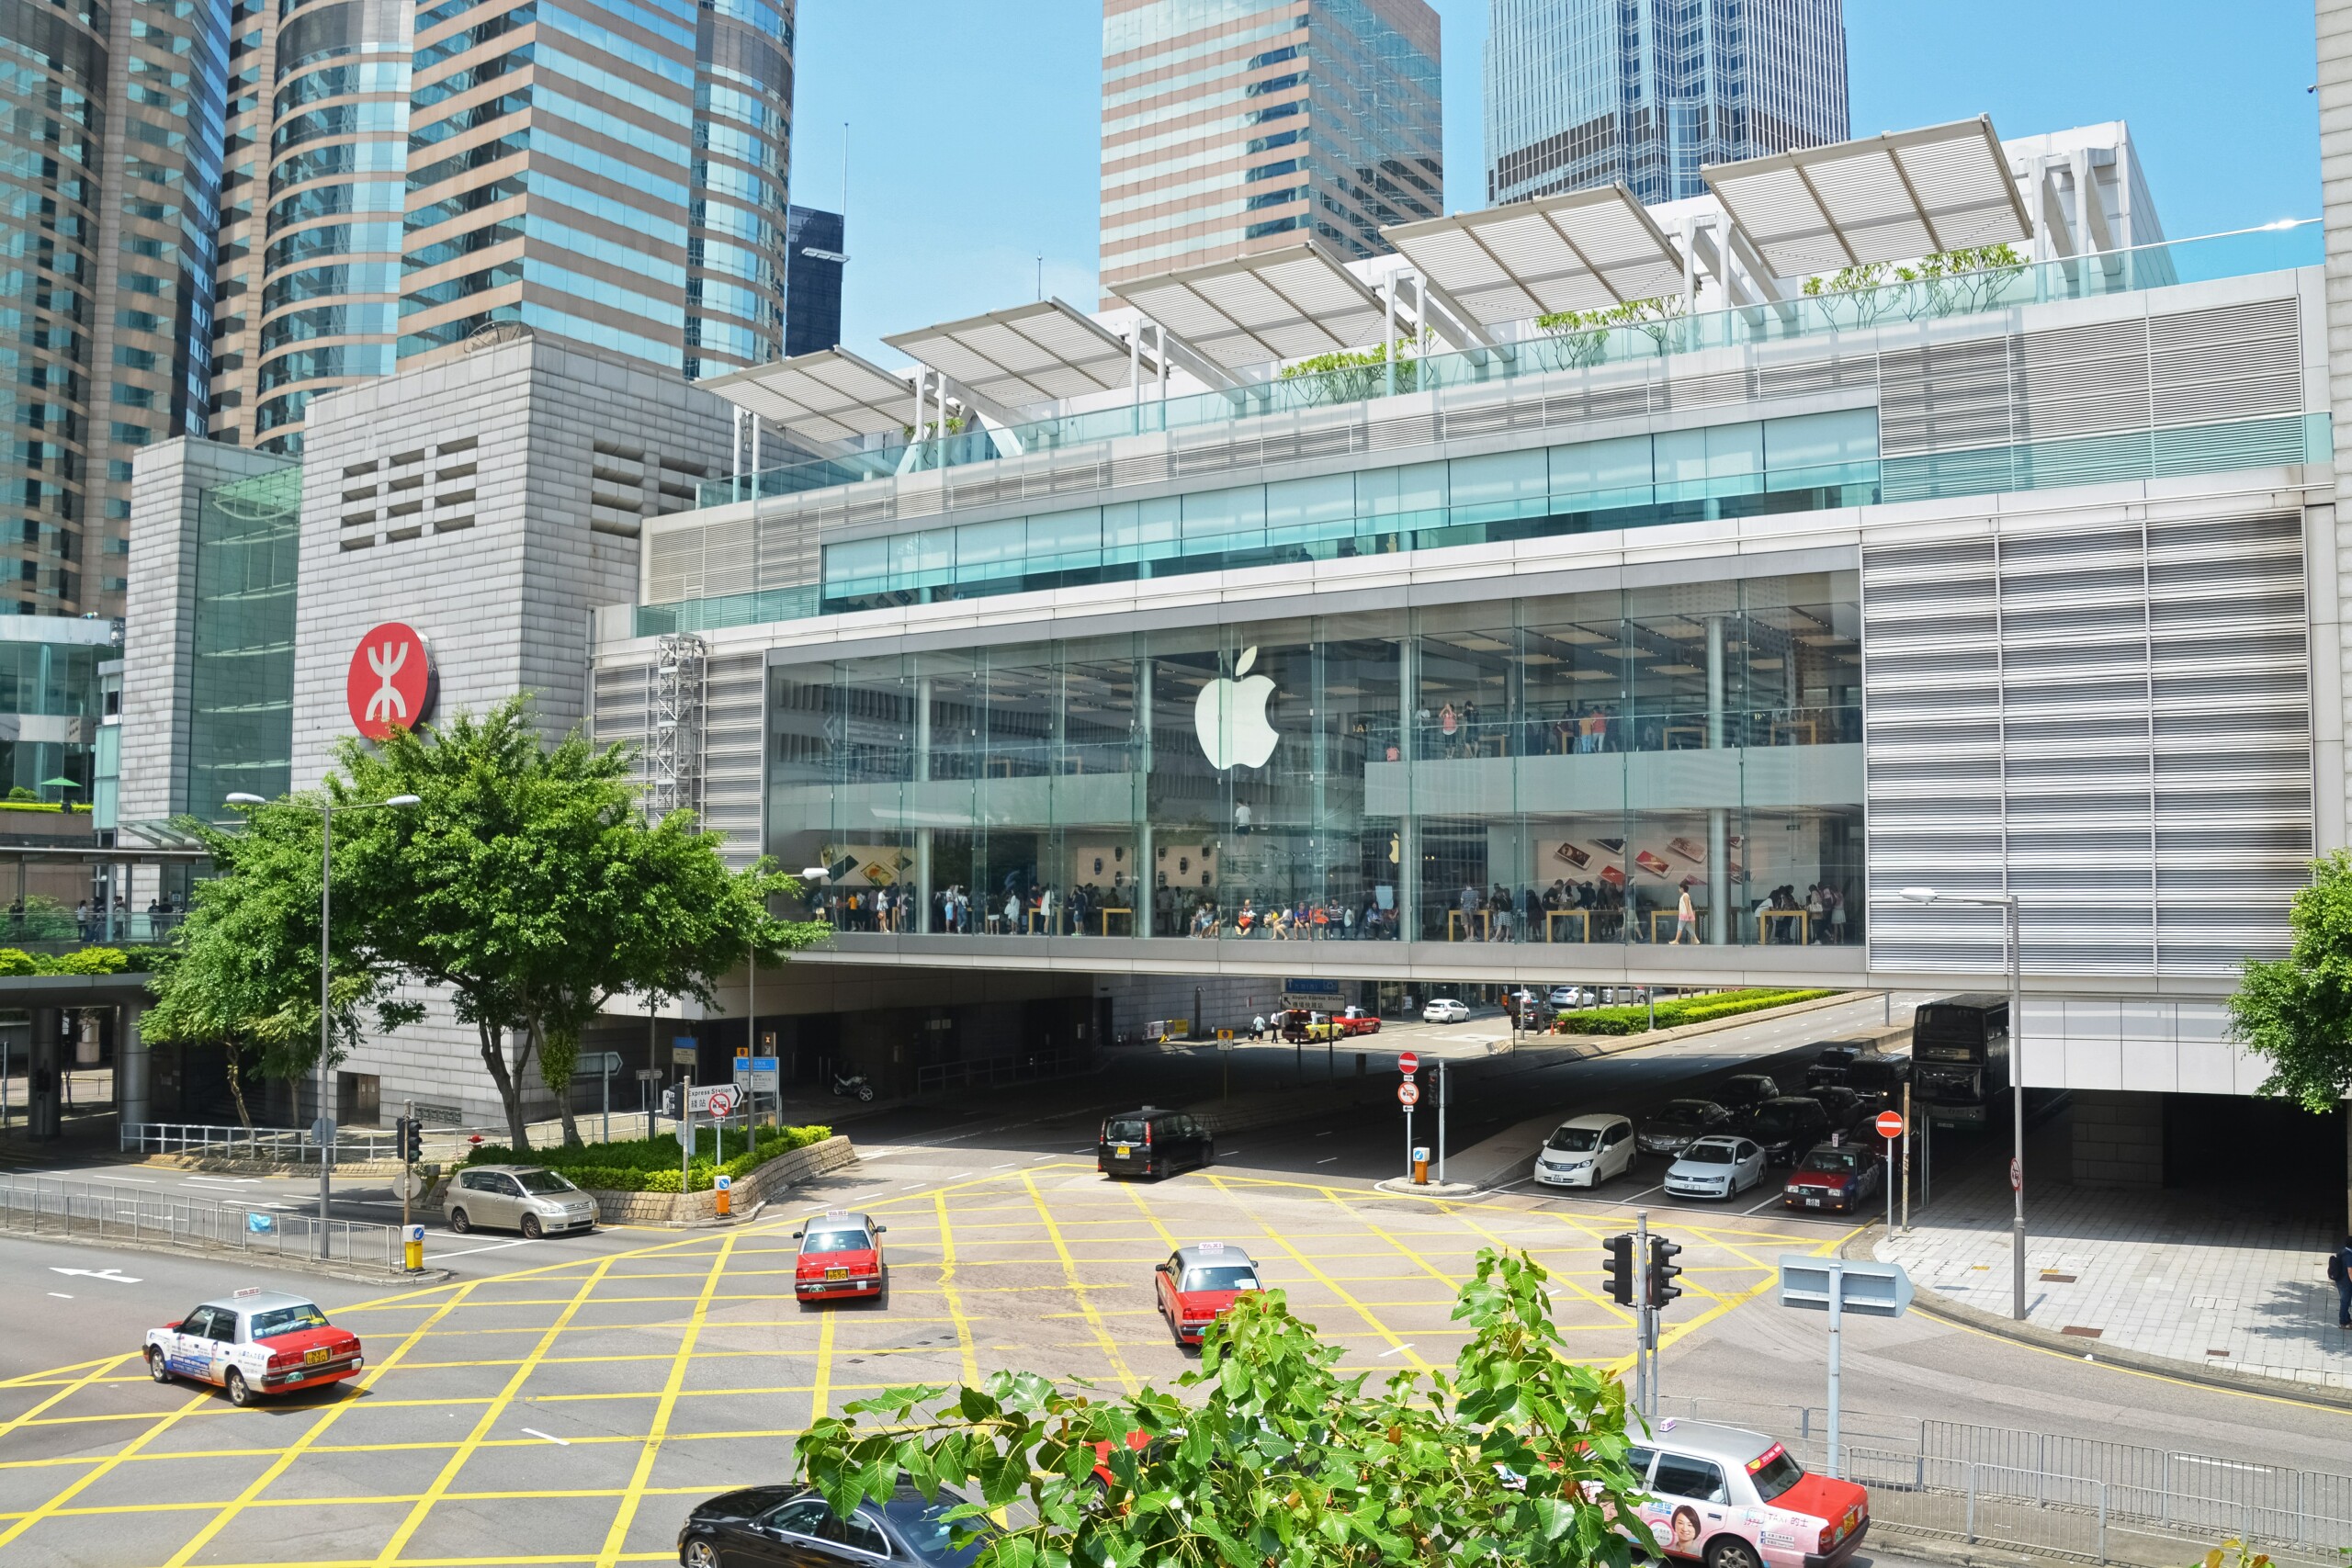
[{"x": 1586, "y": 1151}]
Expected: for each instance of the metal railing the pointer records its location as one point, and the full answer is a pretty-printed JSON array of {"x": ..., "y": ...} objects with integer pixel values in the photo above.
[
  {"x": 45, "y": 1205},
  {"x": 2080, "y": 1497},
  {"x": 274, "y": 1145}
]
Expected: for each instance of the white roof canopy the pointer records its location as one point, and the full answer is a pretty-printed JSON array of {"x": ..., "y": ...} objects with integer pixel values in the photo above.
[
  {"x": 1583, "y": 250},
  {"x": 831, "y": 395},
  {"x": 1033, "y": 354},
  {"x": 1889, "y": 198},
  {"x": 1286, "y": 304}
]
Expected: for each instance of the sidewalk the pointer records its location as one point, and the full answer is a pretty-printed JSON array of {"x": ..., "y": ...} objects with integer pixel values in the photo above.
[{"x": 2205, "y": 1279}]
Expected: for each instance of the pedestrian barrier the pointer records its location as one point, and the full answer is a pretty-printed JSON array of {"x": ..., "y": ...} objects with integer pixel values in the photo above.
[
  {"x": 45, "y": 1205},
  {"x": 274, "y": 1146}
]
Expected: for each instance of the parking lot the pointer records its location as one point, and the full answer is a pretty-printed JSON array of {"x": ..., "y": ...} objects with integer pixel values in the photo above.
[{"x": 569, "y": 1413}]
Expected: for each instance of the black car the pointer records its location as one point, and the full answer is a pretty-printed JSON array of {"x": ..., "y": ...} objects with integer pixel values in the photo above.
[
  {"x": 1788, "y": 1127},
  {"x": 1151, "y": 1142},
  {"x": 1845, "y": 1107},
  {"x": 1879, "y": 1081},
  {"x": 1743, "y": 1092},
  {"x": 1673, "y": 1126},
  {"x": 1835, "y": 1059},
  {"x": 762, "y": 1524}
]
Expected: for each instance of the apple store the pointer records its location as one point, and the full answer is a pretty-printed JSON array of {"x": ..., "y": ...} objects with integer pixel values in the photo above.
[{"x": 1563, "y": 769}]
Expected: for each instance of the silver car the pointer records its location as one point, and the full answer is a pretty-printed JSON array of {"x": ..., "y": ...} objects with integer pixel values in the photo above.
[{"x": 526, "y": 1198}]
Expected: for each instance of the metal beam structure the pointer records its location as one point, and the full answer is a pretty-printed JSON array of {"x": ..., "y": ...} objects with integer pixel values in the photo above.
[
  {"x": 1586, "y": 249},
  {"x": 831, "y": 395},
  {"x": 1293, "y": 303}
]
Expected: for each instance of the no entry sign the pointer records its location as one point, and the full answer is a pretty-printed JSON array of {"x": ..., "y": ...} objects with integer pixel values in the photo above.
[
  {"x": 1408, "y": 1063},
  {"x": 1890, "y": 1125}
]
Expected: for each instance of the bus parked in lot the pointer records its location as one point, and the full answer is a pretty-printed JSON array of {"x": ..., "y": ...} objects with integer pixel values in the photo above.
[{"x": 1959, "y": 1058}]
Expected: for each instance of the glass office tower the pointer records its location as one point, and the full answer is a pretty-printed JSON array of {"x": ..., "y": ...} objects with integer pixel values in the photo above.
[
  {"x": 1583, "y": 92},
  {"x": 812, "y": 311},
  {"x": 112, "y": 134},
  {"x": 1235, "y": 126}
]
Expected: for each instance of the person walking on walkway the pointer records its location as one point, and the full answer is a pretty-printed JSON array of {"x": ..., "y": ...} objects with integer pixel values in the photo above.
[{"x": 2339, "y": 1273}]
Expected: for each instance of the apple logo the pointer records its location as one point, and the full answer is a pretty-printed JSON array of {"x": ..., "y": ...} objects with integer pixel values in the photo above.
[{"x": 1231, "y": 717}]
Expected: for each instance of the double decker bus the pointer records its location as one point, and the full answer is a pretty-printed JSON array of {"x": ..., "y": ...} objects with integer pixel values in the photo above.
[{"x": 1959, "y": 1058}]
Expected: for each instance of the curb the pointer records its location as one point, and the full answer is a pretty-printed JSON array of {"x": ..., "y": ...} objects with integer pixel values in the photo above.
[
  {"x": 1399, "y": 1187},
  {"x": 1865, "y": 1246}
]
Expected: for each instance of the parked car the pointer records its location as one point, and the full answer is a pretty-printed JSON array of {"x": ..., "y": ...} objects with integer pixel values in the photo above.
[
  {"x": 1837, "y": 1176},
  {"x": 526, "y": 1198},
  {"x": 1788, "y": 1125},
  {"x": 1878, "y": 1081},
  {"x": 1569, "y": 997},
  {"x": 1844, "y": 1106},
  {"x": 789, "y": 1524},
  {"x": 1743, "y": 1092},
  {"x": 1151, "y": 1142},
  {"x": 1721, "y": 1167},
  {"x": 1358, "y": 1020},
  {"x": 1730, "y": 1499},
  {"x": 1677, "y": 1125},
  {"x": 1445, "y": 1009},
  {"x": 1586, "y": 1151},
  {"x": 1830, "y": 1063}
]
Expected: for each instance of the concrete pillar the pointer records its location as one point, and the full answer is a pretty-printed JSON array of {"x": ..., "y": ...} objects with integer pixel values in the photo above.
[
  {"x": 1147, "y": 857},
  {"x": 921, "y": 777},
  {"x": 1408, "y": 840},
  {"x": 1719, "y": 923},
  {"x": 130, "y": 1065},
  {"x": 43, "y": 1101}
]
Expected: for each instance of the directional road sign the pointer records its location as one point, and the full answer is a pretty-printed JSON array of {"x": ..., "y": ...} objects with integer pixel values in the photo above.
[
  {"x": 598, "y": 1063},
  {"x": 1409, "y": 1093},
  {"x": 1408, "y": 1063},
  {"x": 1890, "y": 1125},
  {"x": 1872, "y": 1289},
  {"x": 713, "y": 1100}
]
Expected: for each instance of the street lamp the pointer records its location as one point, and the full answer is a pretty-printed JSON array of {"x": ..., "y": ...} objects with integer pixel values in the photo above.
[
  {"x": 326, "y": 842},
  {"x": 2012, "y": 942}
]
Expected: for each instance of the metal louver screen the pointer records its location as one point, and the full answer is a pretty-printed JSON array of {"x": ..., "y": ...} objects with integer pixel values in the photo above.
[
  {"x": 732, "y": 719},
  {"x": 2110, "y": 720}
]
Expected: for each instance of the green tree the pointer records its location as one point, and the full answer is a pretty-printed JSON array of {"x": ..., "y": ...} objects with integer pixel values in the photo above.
[
  {"x": 2296, "y": 1012},
  {"x": 1264, "y": 1454}
]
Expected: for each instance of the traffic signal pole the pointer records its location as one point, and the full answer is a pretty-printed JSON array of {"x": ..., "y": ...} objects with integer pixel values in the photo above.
[{"x": 1645, "y": 1345}]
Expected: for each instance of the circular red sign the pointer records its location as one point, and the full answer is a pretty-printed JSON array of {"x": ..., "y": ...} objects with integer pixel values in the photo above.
[
  {"x": 1408, "y": 1063},
  {"x": 391, "y": 683},
  {"x": 2017, "y": 1176},
  {"x": 1408, "y": 1093},
  {"x": 1890, "y": 1125}
]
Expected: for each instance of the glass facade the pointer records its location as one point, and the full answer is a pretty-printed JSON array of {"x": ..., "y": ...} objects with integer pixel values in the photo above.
[
  {"x": 1559, "y": 770},
  {"x": 812, "y": 311},
  {"x": 50, "y": 699},
  {"x": 241, "y": 696},
  {"x": 1233, "y": 125},
  {"x": 1645, "y": 93}
]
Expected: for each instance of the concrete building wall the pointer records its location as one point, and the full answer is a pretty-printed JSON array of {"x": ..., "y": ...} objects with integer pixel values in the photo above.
[
  {"x": 2332, "y": 660},
  {"x": 2119, "y": 1139}
]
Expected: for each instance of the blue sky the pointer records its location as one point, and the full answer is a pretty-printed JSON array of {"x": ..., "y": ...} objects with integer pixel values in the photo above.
[{"x": 972, "y": 128}]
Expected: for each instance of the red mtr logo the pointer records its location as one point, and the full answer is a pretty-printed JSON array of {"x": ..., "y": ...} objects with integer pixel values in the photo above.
[{"x": 391, "y": 683}]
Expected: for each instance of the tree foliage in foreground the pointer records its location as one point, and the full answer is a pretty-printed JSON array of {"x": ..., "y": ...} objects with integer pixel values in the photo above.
[
  {"x": 2296, "y": 1012},
  {"x": 1265, "y": 1457}
]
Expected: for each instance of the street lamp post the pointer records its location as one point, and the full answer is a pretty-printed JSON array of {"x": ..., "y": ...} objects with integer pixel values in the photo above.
[
  {"x": 326, "y": 844},
  {"x": 2013, "y": 943}
]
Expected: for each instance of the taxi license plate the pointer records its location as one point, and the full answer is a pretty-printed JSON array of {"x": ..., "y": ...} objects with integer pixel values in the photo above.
[
  {"x": 1813, "y": 1202},
  {"x": 836, "y": 1274},
  {"x": 312, "y": 1357},
  {"x": 1123, "y": 1151}
]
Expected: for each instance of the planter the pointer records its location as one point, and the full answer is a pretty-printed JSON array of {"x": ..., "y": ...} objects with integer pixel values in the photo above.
[{"x": 785, "y": 1171}]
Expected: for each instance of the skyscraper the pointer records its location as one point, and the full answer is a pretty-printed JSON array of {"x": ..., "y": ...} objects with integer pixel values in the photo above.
[
  {"x": 1582, "y": 92},
  {"x": 112, "y": 134},
  {"x": 812, "y": 304},
  {"x": 1235, "y": 126},
  {"x": 613, "y": 171}
]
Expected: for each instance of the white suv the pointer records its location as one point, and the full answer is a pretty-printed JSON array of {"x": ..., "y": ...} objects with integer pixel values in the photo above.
[{"x": 1445, "y": 1009}]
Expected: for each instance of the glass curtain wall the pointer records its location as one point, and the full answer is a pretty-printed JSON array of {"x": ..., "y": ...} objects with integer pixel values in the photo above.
[
  {"x": 1563, "y": 769},
  {"x": 241, "y": 686}
]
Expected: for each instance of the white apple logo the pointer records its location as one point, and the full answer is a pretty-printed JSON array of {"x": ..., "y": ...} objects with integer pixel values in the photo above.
[{"x": 1231, "y": 717}]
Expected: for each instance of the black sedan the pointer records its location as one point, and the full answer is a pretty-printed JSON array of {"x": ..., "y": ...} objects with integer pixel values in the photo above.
[
  {"x": 1742, "y": 1092},
  {"x": 1673, "y": 1126},
  {"x": 1846, "y": 1110},
  {"x": 1788, "y": 1127},
  {"x": 763, "y": 1526}
]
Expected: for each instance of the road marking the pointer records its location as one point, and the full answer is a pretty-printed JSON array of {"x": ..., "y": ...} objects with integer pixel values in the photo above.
[
  {"x": 617, "y": 1537},
  {"x": 61, "y": 1295},
  {"x": 559, "y": 1442},
  {"x": 1333, "y": 1161},
  {"x": 1008, "y": 1165},
  {"x": 1326, "y": 1132},
  {"x": 948, "y": 1292},
  {"x": 1393, "y": 1349},
  {"x": 493, "y": 1247},
  {"x": 1766, "y": 1204},
  {"x": 112, "y": 1276},
  {"x": 821, "y": 1386},
  {"x": 1077, "y": 1286}
]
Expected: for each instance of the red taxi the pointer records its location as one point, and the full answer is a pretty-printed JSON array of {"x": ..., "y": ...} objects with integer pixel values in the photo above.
[
  {"x": 1736, "y": 1499},
  {"x": 1198, "y": 1284},
  {"x": 841, "y": 1256},
  {"x": 1840, "y": 1176},
  {"x": 252, "y": 1343}
]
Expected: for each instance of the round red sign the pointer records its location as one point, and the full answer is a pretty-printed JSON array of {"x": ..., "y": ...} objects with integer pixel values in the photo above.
[
  {"x": 1409, "y": 1093},
  {"x": 391, "y": 683},
  {"x": 1408, "y": 1063},
  {"x": 1890, "y": 1125}
]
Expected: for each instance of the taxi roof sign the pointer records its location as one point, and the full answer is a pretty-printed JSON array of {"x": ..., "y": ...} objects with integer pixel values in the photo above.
[
  {"x": 250, "y": 1291},
  {"x": 1210, "y": 1247}
]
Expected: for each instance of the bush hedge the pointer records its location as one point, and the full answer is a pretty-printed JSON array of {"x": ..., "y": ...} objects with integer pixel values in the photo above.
[
  {"x": 650, "y": 1165},
  {"x": 1679, "y": 1011},
  {"x": 81, "y": 961}
]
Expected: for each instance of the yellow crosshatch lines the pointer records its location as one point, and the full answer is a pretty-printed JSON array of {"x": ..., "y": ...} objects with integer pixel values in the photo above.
[{"x": 691, "y": 1345}]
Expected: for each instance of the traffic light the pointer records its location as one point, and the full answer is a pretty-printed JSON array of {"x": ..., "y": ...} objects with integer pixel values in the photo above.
[
  {"x": 411, "y": 1133},
  {"x": 1664, "y": 1270},
  {"x": 1618, "y": 1249},
  {"x": 670, "y": 1102}
]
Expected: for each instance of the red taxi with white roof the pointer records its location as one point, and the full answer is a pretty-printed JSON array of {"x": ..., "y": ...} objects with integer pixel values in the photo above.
[
  {"x": 1198, "y": 1285},
  {"x": 1730, "y": 1499},
  {"x": 841, "y": 1256},
  {"x": 252, "y": 1343}
]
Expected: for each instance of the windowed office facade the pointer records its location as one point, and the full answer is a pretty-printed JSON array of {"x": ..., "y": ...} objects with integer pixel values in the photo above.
[{"x": 1559, "y": 769}]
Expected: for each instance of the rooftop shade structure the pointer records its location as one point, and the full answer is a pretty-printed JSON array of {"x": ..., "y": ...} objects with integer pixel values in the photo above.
[
  {"x": 831, "y": 395},
  {"x": 1588, "y": 250},
  {"x": 1033, "y": 354},
  {"x": 1891, "y": 197},
  {"x": 1288, "y": 304}
]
